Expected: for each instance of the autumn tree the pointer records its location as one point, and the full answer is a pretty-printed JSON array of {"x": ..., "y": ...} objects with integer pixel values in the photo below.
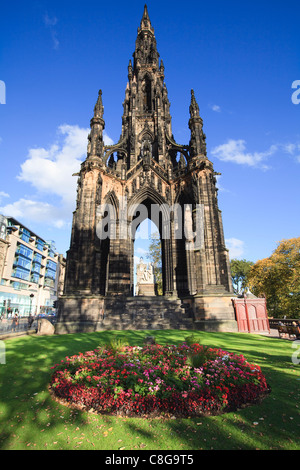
[
  {"x": 154, "y": 255},
  {"x": 239, "y": 273},
  {"x": 278, "y": 278}
]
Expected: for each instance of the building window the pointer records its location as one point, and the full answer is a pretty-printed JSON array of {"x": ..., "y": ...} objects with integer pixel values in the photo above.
[
  {"x": 50, "y": 274},
  {"x": 25, "y": 235},
  {"x": 36, "y": 267},
  {"x": 40, "y": 244},
  {"x": 37, "y": 258},
  {"x": 49, "y": 283},
  {"x": 24, "y": 251},
  {"x": 21, "y": 273},
  {"x": 51, "y": 266},
  {"x": 23, "y": 262},
  {"x": 34, "y": 278},
  {"x": 51, "y": 248}
]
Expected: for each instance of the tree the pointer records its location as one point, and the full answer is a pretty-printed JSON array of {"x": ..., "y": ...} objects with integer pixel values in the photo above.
[
  {"x": 278, "y": 278},
  {"x": 239, "y": 272},
  {"x": 154, "y": 255}
]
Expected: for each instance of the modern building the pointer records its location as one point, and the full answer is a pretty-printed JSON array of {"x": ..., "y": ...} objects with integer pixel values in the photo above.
[{"x": 31, "y": 271}]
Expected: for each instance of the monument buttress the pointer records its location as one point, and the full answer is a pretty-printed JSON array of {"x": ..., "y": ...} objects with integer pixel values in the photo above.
[{"x": 146, "y": 168}]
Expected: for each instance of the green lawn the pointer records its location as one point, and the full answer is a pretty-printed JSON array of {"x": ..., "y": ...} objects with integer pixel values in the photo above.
[{"x": 30, "y": 419}]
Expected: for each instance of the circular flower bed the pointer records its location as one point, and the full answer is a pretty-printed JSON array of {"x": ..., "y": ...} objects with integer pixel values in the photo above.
[{"x": 185, "y": 380}]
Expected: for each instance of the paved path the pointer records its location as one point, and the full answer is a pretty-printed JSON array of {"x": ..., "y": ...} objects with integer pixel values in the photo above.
[{"x": 22, "y": 329}]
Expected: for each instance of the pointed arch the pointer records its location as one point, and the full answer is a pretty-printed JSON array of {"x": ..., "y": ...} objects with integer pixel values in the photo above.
[
  {"x": 148, "y": 195},
  {"x": 112, "y": 199},
  {"x": 145, "y": 134},
  {"x": 120, "y": 152}
]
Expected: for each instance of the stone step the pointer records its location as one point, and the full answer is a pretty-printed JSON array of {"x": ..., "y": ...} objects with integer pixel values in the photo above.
[
  {"x": 131, "y": 313},
  {"x": 144, "y": 324},
  {"x": 144, "y": 299},
  {"x": 214, "y": 289}
]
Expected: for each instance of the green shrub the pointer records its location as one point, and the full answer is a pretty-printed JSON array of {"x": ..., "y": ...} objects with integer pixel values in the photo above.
[{"x": 117, "y": 344}]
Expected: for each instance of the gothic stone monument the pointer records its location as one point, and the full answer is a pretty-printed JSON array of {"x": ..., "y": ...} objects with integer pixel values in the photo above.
[{"x": 146, "y": 167}]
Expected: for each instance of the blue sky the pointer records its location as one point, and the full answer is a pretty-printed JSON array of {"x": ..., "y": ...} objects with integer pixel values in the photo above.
[{"x": 241, "y": 59}]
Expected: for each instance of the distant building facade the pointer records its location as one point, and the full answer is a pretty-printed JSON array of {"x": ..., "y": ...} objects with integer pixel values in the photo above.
[{"x": 31, "y": 271}]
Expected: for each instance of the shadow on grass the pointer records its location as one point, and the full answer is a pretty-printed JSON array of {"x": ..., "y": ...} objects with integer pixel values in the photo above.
[{"x": 29, "y": 418}]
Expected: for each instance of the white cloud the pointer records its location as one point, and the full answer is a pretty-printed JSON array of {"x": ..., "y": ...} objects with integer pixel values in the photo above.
[
  {"x": 293, "y": 150},
  {"x": 3, "y": 194},
  {"x": 49, "y": 171},
  {"x": 35, "y": 211},
  {"x": 136, "y": 260},
  {"x": 236, "y": 247},
  {"x": 106, "y": 139},
  {"x": 141, "y": 251},
  {"x": 50, "y": 23},
  {"x": 216, "y": 108},
  {"x": 290, "y": 148},
  {"x": 219, "y": 185},
  {"x": 235, "y": 151}
]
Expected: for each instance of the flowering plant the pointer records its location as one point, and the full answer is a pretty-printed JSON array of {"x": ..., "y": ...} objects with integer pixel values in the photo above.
[{"x": 184, "y": 380}]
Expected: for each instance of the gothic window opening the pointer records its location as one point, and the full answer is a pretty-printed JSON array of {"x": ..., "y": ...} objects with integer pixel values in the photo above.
[
  {"x": 112, "y": 162},
  {"x": 147, "y": 99},
  {"x": 147, "y": 260}
]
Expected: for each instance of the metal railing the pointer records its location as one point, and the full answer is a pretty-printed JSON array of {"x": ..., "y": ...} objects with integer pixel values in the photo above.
[{"x": 7, "y": 326}]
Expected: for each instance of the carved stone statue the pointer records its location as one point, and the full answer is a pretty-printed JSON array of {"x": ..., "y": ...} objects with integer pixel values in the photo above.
[{"x": 145, "y": 278}]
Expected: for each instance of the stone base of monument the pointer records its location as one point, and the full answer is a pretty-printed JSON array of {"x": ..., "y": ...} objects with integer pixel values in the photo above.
[
  {"x": 214, "y": 313},
  {"x": 79, "y": 313},
  {"x": 146, "y": 289},
  {"x": 96, "y": 313}
]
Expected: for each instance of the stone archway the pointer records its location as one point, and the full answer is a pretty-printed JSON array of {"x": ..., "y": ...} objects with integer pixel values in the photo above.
[
  {"x": 147, "y": 260},
  {"x": 150, "y": 204}
]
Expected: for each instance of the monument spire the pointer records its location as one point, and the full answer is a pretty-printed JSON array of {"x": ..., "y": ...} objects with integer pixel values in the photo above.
[
  {"x": 146, "y": 23},
  {"x": 99, "y": 108},
  {"x": 145, "y": 54},
  {"x": 198, "y": 138},
  {"x": 97, "y": 124}
]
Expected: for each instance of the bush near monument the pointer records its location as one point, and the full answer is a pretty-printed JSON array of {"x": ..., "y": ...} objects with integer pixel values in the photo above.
[{"x": 184, "y": 380}]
